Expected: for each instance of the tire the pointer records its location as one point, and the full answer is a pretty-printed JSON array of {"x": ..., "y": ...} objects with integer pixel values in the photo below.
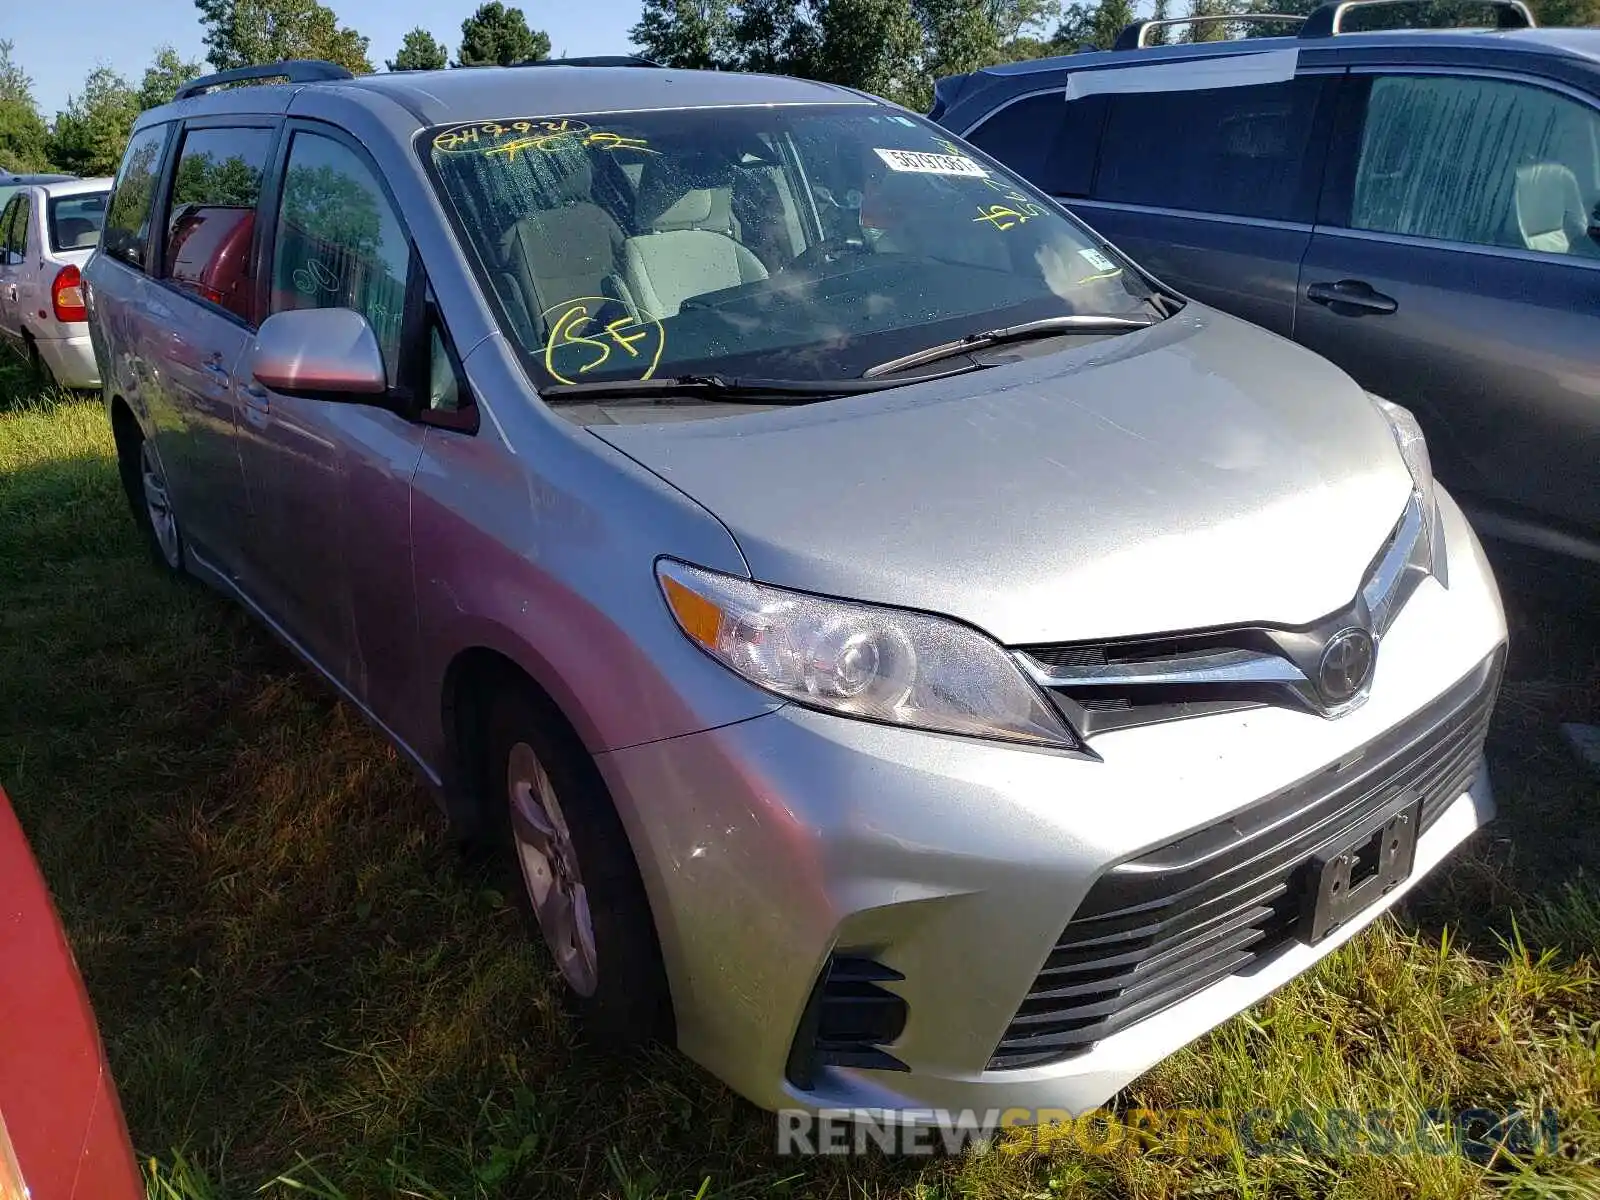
[
  {"x": 144, "y": 482},
  {"x": 613, "y": 978}
]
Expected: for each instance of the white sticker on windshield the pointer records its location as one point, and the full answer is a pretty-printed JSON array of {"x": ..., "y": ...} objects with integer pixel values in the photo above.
[
  {"x": 931, "y": 164},
  {"x": 1097, "y": 260}
]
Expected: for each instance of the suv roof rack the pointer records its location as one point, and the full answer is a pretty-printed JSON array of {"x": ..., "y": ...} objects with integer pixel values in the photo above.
[
  {"x": 592, "y": 60},
  {"x": 1328, "y": 20},
  {"x": 1133, "y": 34},
  {"x": 294, "y": 70}
]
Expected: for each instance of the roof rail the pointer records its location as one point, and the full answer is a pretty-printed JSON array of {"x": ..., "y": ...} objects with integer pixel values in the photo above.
[
  {"x": 592, "y": 60},
  {"x": 295, "y": 70},
  {"x": 1133, "y": 35},
  {"x": 1328, "y": 21}
]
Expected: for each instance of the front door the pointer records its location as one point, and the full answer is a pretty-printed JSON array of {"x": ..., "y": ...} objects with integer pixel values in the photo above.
[
  {"x": 205, "y": 319},
  {"x": 330, "y": 554},
  {"x": 1457, "y": 272}
]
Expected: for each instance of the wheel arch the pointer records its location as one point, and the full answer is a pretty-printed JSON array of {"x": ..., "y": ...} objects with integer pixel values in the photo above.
[{"x": 470, "y": 683}]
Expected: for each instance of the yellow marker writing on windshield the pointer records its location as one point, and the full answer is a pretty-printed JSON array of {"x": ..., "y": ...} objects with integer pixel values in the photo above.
[{"x": 579, "y": 344}]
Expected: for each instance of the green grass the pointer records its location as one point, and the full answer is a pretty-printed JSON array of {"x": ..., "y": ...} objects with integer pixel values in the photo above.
[{"x": 303, "y": 993}]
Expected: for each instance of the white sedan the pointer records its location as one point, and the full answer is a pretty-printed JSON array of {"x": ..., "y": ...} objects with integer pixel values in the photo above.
[{"x": 47, "y": 233}]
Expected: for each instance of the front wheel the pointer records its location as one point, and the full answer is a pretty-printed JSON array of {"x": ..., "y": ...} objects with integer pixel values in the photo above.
[{"x": 577, "y": 871}]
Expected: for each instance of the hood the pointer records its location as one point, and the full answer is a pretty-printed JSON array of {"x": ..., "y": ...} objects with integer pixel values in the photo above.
[{"x": 1199, "y": 473}]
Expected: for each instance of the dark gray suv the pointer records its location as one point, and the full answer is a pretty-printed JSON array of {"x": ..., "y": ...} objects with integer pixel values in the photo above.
[{"x": 1420, "y": 206}]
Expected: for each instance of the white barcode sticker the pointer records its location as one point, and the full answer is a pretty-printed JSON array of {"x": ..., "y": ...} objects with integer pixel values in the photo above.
[
  {"x": 1097, "y": 260},
  {"x": 931, "y": 164}
]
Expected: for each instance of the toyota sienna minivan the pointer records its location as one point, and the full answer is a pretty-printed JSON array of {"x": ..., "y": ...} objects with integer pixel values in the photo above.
[{"x": 917, "y": 659}]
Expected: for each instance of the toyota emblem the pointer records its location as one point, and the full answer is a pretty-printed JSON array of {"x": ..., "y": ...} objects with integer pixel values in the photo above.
[{"x": 1346, "y": 665}]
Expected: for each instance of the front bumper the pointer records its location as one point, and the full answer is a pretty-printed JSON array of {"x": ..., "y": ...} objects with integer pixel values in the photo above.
[
  {"x": 770, "y": 844},
  {"x": 71, "y": 361}
]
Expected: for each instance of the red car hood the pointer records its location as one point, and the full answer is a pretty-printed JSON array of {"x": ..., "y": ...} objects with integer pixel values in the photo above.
[{"x": 56, "y": 1097}]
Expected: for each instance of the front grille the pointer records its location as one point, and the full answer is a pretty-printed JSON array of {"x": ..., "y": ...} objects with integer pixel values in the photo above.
[{"x": 1158, "y": 929}]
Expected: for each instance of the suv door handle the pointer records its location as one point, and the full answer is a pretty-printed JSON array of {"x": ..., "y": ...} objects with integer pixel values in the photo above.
[{"x": 1351, "y": 294}]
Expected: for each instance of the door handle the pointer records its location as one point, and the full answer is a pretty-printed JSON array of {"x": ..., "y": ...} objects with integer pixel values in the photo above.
[
  {"x": 1351, "y": 294},
  {"x": 256, "y": 396}
]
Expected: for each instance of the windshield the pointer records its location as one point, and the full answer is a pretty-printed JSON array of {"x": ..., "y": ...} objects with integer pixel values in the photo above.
[
  {"x": 804, "y": 242},
  {"x": 75, "y": 220}
]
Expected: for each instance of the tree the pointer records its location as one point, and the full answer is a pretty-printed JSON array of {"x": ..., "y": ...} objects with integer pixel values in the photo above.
[
  {"x": 1206, "y": 31},
  {"x": 240, "y": 33},
  {"x": 499, "y": 35},
  {"x": 958, "y": 36},
  {"x": 88, "y": 138},
  {"x": 1012, "y": 18},
  {"x": 419, "y": 52},
  {"x": 874, "y": 45},
  {"x": 1161, "y": 12},
  {"x": 23, "y": 136},
  {"x": 1110, "y": 19},
  {"x": 164, "y": 77},
  {"x": 691, "y": 34},
  {"x": 1076, "y": 30},
  {"x": 777, "y": 36}
]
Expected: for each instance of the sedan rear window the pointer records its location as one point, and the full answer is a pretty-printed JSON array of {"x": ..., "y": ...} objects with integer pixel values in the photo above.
[{"x": 75, "y": 220}]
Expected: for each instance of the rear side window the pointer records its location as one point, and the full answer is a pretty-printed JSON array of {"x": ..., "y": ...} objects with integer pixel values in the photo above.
[
  {"x": 1238, "y": 151},
  {"x": 7, "y": 218},
  {"x": 8, "y": 223},
  {"x": 75, "y": 221},
  {"x": 339, "y": 243},
  {"x": 212, "y": 216},
  {"x": 1050, "y": 142},
  {"x": 17, "y": 238},
  {"x": 1484, "y": 161},
  {"x": 127, "y": 227}
]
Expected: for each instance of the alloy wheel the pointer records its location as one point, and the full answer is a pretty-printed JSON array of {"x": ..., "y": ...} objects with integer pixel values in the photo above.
[
  {"x": 158, "y": 506},
  {"x": 550, "y": 869}
]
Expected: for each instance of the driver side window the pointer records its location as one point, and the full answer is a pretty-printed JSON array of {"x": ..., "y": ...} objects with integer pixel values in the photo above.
[{"x": 339, "y": 243}]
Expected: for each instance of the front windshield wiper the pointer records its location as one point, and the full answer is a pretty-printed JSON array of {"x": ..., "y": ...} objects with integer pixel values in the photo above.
[
  {"x": 1047, "y": 327},
  {"x": 721, "y": 388}
]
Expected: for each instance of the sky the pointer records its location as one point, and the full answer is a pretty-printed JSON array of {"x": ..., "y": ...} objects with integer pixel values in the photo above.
[{"x": 58, "y": 47}]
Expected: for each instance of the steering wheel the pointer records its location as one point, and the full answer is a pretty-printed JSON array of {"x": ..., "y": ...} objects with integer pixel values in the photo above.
[{"x": 827, "y": 251}]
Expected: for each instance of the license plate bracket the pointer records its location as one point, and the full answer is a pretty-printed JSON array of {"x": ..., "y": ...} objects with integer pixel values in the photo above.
[{"x": 1348, "y": 875}]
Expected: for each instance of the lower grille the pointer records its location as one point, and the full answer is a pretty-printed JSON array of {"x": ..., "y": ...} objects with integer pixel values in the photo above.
[
  {"x": 1158, "y": 929},
  {"x": 848, "y": 1020}
]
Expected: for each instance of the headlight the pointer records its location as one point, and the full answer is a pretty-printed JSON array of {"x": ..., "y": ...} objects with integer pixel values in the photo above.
[
  {"x": 1416, "y": 551},
  {"x": 860, "y": 660},
  {"x": 1414, "y": 450}
]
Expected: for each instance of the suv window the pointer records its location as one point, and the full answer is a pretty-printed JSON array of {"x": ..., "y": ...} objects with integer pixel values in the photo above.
[
  {"x": 127, "y": 227},
  {"x": 1484, "y": 161},
  {"x": 211, "y": 217},
  {"x": 1239, "y": 151},
  {"x": 1047, "y": 140},
  {"x": 339, "y": 243}
]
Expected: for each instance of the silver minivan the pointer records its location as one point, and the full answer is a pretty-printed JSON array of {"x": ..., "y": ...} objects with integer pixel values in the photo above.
[{"x": 917, "y": 659}]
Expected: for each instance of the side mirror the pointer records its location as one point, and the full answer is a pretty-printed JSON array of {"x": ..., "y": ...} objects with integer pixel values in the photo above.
[{"x": 319, "y": 353}]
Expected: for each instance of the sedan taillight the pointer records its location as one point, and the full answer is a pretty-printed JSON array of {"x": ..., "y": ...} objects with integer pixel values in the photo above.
[{"x": 66, "y": 294}]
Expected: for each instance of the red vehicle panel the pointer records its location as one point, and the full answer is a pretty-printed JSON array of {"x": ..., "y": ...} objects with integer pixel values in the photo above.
[{"x": 57, "y": 1099}]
